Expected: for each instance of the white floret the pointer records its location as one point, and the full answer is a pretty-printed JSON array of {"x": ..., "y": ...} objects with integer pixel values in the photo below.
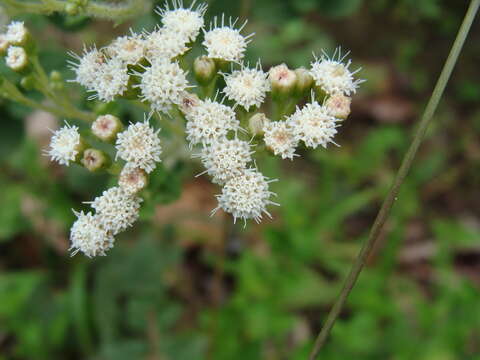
[
  {"x": 246, "y": 196},
  {"x": 224, "y": 159},
  {"x": 165, "y": 43},
  {"x": 314, "y": 125},
  {"x": 129, "y": 49},
  {"x": 89, "y": 236},
  {"x": 116, "y": 209},
  {"x": 65, "y": 145},
  {"x": 225, "y": 42},
  {"x": 333, "y": 76},
  {"x": 208, "y": 121},
  {"x": 163, "y": 84},
  {"x": 280, "y": 138},
  {"x": 111, "y": 81},
  {"x": 187, "y": 21},
  {"x": 247, "y": 87},
  {"x": 87, "y": 66},
  {"x": 140, "y": 145},
  {"x": 16, "y": 32}
]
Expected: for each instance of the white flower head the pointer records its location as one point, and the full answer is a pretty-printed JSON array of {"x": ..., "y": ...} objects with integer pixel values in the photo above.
[
  {"x": 247, "y": 87},
  {"x": 280, "y": 138},
  {"x": 116, "y": 209},
  {"x": 65, "y": 145},
  {"x": 179, "y": 19},
  {"x": 89, "y": 236},
  {"x": 129, "y": 49},
  {"x": 246, "y": 196},
  {"x": 165, "y": 43},
  {"x": 224, "y": 159},
  {"x": 16, "y": 58},
  {"x": 16, "y": 33},
  {"x": 163, "y": 84},
  {"x": 226, "y": 42},
  {"x": 139, "y": 144},
  {"x": 210, "y": 120},
  {"x": 86, "y": 67},
  {"x": 132, "y": 179},
  {"x": 332, "y": 75},
  {"x": 314, "y": 125},
  {"x": 111, "y": 81}
]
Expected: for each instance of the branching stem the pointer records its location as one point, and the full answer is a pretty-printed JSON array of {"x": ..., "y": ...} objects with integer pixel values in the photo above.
[{"x": 117, "y": 12}]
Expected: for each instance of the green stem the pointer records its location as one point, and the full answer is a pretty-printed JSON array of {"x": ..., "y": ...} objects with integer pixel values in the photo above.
[
  {"x": 391, "y": 197},
  {"x": 10, "y": 91},
  {"x": 100, "y": 10},
  {"x": 61, "y": 100}
]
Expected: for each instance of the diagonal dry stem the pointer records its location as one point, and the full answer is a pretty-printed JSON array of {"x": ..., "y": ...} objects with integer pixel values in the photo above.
[{"x": 391, "y": 197}]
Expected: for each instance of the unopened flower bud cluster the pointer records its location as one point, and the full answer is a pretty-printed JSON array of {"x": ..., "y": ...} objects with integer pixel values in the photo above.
[{"x": 223, "y": 123}]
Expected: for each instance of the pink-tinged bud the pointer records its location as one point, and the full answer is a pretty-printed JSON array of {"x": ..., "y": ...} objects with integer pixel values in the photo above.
[
  {"x": 94, "y": 160},
  {"x": 106, "y": 127},
  {"x": 204, "y": 70},
  {"x": 257, "y": 123},
  {"x": 282, "y": 81},
  {"x": 304, "y": 81},
  {"x": 338, "y": 105}
]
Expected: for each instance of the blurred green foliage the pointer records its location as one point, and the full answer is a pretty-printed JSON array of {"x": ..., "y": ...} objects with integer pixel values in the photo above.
[{"x": 264, "y": 291}]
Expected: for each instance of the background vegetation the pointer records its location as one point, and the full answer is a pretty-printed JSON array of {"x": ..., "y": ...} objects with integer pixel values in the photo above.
[{"x": 182, "y": 285}]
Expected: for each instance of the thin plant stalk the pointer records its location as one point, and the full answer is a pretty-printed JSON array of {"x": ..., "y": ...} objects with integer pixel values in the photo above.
[{"x": 391, "y": 197}]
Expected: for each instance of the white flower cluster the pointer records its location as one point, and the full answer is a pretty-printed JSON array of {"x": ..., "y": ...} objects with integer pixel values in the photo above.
[
  {"x": 115, "y": 211},
  {"x": 316, "y": 124},
  {"x": 149, "y": 67},
  {"x": 118, "y": 207},
  {"x": 148, "y": 56}
]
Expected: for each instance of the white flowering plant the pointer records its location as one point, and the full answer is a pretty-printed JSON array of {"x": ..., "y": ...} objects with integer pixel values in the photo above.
[
  {"x": 218, "y": 105},
  {"x": 188, "y": 93}
]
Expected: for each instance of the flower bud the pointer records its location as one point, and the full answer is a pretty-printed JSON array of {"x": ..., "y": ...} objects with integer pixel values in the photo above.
[
  {"x": 188, "y": 102},
  {"x": 28, "y": 82},
  {"x": 17, "y": 59},
  {"x": 304, "y": 81},
  {"x": 132, "y": 179},
  {"x": 204, "y": 69},
  {"x": 282, "y": 81},
  {"x": 106, "y": 127},
  {"x": 56, "y": 80},
  {"x": 257, "y": 123},
  {"x": 338, "y": 105},
  {"x": 72, "y": 9},
  {"x": 4, "y": 44},
  {"x": 94, "y": 159}
]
